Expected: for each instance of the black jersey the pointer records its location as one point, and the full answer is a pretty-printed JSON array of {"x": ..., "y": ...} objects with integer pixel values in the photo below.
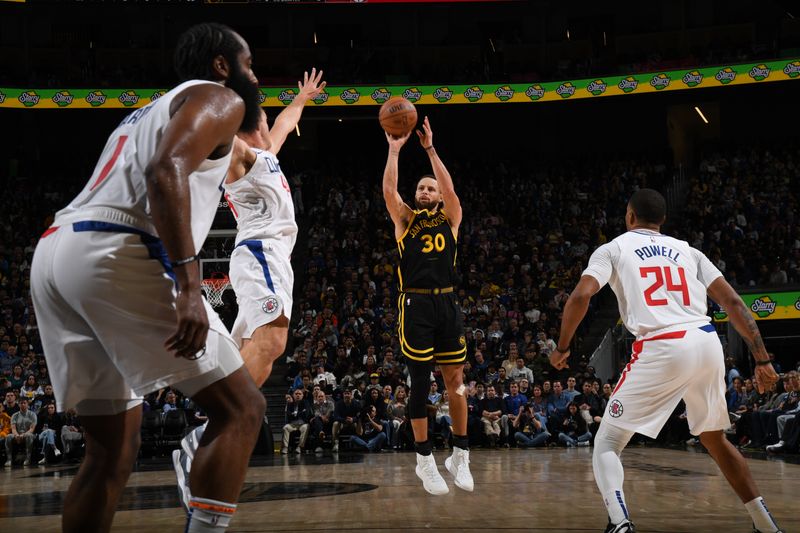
[{"x": 427, "y": 252}]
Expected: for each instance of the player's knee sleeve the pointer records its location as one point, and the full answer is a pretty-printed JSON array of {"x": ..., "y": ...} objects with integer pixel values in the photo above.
[
  {"x": 420, "y": 385},
  {"x": 611, "y": 439}
]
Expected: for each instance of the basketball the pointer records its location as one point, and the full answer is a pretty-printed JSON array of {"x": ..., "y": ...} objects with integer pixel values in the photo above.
[{"x": 398, "y": 116}]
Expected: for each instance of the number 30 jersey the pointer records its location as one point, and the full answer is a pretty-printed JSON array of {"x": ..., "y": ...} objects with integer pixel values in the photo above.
[
  {"x": 660, "y": 282},
  {"x": 427, "y": 252}
]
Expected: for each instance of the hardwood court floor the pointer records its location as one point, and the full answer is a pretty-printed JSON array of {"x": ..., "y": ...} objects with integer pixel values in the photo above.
[{"x": 515, "y": 491}]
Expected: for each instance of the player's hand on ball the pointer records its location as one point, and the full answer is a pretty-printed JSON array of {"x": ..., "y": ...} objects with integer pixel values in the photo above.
[
  {"x": 559, "y": 359},
  {"x": 395, "y": 143},
  {"x": 189, "y": 340},
  {"x": 311, "y": 85},
  {"x": 765, "y": 377},
  {"x": 426, "y": 135}
]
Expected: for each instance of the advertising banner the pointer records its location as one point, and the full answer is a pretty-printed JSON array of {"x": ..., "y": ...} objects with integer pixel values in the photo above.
[{"x": 768, "y": 306}]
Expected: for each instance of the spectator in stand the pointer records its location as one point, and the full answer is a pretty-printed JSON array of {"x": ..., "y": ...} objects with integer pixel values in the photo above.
[
  {"x": 23, "y": 425},
  {"x": 170, "y": 402},
  {"x": 71, "y": 432},
  {"x": 31, "y": 389},
  {"x": 397, "y": 410},
  {"x": 529, "y": 431},
  {"x": 44, "y": 399},
  {"x": 790, "y": 412},
  {"x": 492, "y": 411},
  {"x": 322, "y": 421},
  {"x": 547, "y": 390},
  {"x": 520, "y": 371},
  {"x": 590, "y": 405},
  {"x": 10, "y": 403},
  {"x": 373, "y": 436},
  {"x": 570, "y": 392},
  {"x": 17, "y": 378},
  {"x": 324, "y": 378},
  {"x": 443, "y": 420},
  {"x": 574, "y": 431},
  {"x": 525, "y": 388},
  {"x": 297, "y": 416},
  {"x": 434, "y": 395},
  {"x": 514, "y": 406},
  {"x": 557, "y": 406},
  {"x": 345, "y": 417},
  {"x": 48, "y": 427},
  {"x": 5, "y": 422}
]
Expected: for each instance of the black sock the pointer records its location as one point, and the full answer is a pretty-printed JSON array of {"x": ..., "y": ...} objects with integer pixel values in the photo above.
[
  {"x": 461, "y": 441},
  {"x": 423, "y": 448}
]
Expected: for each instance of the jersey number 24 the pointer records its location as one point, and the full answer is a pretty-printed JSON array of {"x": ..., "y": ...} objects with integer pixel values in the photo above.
[{"x": 661, "y": 274}]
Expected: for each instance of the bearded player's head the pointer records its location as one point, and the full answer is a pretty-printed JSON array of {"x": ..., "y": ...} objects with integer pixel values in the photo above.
[
  {"x": 428, "y": 195},
  {"x": 214, "y": 52}
]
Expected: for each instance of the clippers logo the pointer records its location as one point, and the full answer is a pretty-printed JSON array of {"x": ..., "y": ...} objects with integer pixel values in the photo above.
[
  {"x": 321, "y": 98},
  {"x": 261, "y": 97},
  {"x": 692, "y": 79},
  {"x": 442, "y": 94},
  {"x": 763, "y": 306},
  {"x": 725, "y": 75},
  {"x": 759, "y": 72},
  {"x": 381, "y": 95},
  {"x": 565, "y": 90},
  {"x": 535, "y": 92},
  {"x": 615, "y": 409},
  {"x": 156, "y": 95},
  {"x": 270, "y": 305},
  {"x": 597, "y": 87},
  {"x": 287, "y": 97},
  {"x": 29, "y": 98},
  {"x": 504, "y": 93},
  {"x": 473, "y": 94},
  {"x": 792, "y": 69},
  {"x": 628, "y": 84},
  {"x": 128, "y": 98},
  {"x": 660, "y": 81},
  {"x": 95, "y": 98},
  {"x": 412, "y": 95},
  {"x": 350, "y": 96},
  {"x": 62, "y": 98}
]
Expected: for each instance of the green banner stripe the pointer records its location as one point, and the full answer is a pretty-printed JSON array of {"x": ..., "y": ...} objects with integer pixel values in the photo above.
[
  {"x": 768, "y": 306},
  {"x": 674, "y": 80}
]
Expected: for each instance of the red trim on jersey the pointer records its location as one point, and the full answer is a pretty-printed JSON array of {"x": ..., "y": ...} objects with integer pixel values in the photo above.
[
  {"x": 110, "y": 164},
  {"x": 230, "y": 204},
  {"x": 637, "y": 350},
  {"x": 48, "y": 231}
]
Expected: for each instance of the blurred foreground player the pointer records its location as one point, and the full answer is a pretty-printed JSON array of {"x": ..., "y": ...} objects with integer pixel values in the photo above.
[
  {"x": 260, "y": 270},
  {"x": 431, "y": 327},
  {"x": 116, "y": 287},
  {"x": 661, "y": 285}
]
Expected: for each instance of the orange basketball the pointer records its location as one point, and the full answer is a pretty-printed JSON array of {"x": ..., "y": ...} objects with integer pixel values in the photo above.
[{"x": 398, "y": 116}]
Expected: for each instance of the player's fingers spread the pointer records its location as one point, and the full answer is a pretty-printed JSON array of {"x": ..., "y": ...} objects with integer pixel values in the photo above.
[{"x": 322, "y": 85}]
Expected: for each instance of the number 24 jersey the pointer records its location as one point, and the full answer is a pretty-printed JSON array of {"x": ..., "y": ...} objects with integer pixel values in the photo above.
[{"x": 660, "y": 282}]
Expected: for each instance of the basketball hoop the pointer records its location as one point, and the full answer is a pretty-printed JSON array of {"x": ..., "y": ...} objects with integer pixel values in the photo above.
[{"x": 215, "y": 286}]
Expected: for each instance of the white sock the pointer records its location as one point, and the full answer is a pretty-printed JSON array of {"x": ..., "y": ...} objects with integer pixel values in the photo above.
[
  {"x": 761, "y": 516},
  {"x": 608, "y": 472},
  {"x": 206, "y": 515}
]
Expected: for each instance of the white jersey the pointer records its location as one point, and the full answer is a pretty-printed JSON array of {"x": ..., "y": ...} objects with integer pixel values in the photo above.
[
  {"x": 261, "y": 201},
  {"x": 117, "y": 190},
  {"x": 660, "y": 282}
]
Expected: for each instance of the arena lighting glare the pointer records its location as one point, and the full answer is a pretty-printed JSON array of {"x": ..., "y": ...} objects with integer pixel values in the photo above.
[
  {"x": 701, "y": 114},
  {"x": 297, "y": 129}
]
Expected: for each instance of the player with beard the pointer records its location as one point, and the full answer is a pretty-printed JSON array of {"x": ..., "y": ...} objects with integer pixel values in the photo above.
[
  {"x": 430, "y": 325},
  {"x": 260, "y": 269},
  {"x": 126, "y": 317}
]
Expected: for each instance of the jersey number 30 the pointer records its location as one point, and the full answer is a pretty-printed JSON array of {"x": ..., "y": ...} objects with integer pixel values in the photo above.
[
  {"x": 432, "y": 243},
  {"x": 681, "y": 287}
]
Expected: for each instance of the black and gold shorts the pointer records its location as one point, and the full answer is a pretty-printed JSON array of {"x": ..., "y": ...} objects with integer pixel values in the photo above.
[{"x": 431, "y": 328}]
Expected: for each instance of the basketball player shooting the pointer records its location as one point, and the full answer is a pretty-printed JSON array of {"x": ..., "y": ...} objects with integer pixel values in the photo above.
[
  {"x": 661, "y": 285},
  {"x": 430, "y": 325},
  {"x": 260, "y": 269},
  {"x": 116, "y": 288}
]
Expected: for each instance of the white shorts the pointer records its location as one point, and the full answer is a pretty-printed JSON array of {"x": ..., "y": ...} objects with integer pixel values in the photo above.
[
  {"x": 262, "y": 279},
  {"x": 105, "y": 303},
  {"x": 664, "y": 369}
]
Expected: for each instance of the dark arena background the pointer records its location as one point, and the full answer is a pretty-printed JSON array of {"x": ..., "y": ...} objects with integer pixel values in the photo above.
[{"x": 548, "y": 115}]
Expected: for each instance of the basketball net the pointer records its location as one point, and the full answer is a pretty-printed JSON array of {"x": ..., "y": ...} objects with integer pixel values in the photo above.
[{"x": 215, "y": 286}]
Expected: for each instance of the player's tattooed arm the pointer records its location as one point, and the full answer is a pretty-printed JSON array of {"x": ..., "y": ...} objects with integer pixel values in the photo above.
[{"x": 740, "y": 316}]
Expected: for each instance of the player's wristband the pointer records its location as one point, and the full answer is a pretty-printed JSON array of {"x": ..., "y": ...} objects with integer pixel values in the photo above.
[
  {"x": 186, "y": 261},
  {"x": 763, "y": 363},
  {"x": 428, "y": 148},
  {"x": 562, "y": 351}
]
